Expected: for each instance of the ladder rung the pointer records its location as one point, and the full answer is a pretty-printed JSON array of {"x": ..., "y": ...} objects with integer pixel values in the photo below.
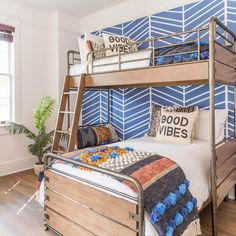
[
  {"x": 58, "y": 151},
  {"x": 70, "y": 93},
  {"x": 67, "y": 112},
  {"x": 63, "y": 131},
  {"x": 74, "y": 88}
]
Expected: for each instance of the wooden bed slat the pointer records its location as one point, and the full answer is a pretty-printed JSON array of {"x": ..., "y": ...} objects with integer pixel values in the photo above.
[
  {"x": 85, "y": 217},
  {"x": 225, "y": 169},
  {"x": 225, "y": 151},
  {"x": 224, "y": 74},
  {"x": 175, "y": 74},
  {"x": 225, "y": 56},
  {"x": 98, "y": 200},
  {"x": 225, "y": 187},
  {"x": 65, "y": 226}
]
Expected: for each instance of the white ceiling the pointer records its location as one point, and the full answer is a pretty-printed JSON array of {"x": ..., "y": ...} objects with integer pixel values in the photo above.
[{"x": 78, "y": 8}]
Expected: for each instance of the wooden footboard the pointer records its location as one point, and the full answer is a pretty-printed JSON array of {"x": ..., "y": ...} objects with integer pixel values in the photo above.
[
  {"x": 226, "y": 169},
  {"x": 73, "y": 207}
]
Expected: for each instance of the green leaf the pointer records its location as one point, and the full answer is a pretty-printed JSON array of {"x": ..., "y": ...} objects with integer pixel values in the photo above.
[
  {"x": 15, "y": 128},
  {"x": 43, "y": 112},
  {"x": 41, "y": 140}
]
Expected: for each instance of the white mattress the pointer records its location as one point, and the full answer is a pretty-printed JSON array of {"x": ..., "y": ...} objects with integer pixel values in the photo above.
[
  {"x": 77, "y": 69},
  {"x": 193, "y": 158}
]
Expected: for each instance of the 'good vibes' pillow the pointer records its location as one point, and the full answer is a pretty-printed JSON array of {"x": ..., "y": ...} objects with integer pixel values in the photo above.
[
  {"x": 176, "y": 127},
  {"x": 113, "y": 41}
]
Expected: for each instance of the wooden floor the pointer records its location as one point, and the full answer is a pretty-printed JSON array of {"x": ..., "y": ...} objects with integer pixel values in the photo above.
[{"x": 21, "y": 215}]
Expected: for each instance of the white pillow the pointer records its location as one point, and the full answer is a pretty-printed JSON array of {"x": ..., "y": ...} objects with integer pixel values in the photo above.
[
  {"x": 82, "y": 50},
  {"x": 176, "y": 127},
  {"x": 202, "y": 127}
]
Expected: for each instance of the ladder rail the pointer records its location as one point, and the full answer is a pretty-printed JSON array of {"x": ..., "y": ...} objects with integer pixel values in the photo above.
[
  {"x": 77, "y": 113},
  {"x": 60, "y": 117},
  {"x": 64, "y": 103}
]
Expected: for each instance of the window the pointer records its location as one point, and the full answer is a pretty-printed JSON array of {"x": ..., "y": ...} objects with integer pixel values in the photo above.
[{"x": 6, "y": 74}]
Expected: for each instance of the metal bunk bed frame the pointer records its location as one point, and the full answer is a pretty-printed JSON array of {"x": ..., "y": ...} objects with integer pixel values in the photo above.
[{"x": 221, "y": 67}]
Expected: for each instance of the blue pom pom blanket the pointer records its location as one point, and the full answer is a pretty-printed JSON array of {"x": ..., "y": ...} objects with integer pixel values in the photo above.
[{"x": 171, "y": 208}]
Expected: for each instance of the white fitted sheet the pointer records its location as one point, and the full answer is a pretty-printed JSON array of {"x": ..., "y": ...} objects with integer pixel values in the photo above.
[
  {"x": 193, "y": 158},
  {"x": 77, "y": 69}
]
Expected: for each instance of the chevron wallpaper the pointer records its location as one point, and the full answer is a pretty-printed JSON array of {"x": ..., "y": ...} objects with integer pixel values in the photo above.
[{"x": 130, "y": 107}]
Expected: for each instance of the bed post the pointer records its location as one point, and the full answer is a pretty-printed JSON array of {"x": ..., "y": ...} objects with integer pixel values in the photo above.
[
  {"x": 234, "y": 49},
  {"x": 212, "y": 36}
]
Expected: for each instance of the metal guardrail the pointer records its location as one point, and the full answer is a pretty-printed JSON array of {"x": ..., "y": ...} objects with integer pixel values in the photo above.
[{"x": 152, "y": 46}]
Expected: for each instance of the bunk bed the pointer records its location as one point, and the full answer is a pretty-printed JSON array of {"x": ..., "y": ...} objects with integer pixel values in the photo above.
[{"x": 124, "y": 213}]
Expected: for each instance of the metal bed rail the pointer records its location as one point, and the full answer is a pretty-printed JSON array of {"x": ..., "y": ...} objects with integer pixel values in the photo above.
[
  {"x": 214, "y": 26},
  {"x": 152, "y": 47},
  {"x": 50, "y": 158},
  {"x": 72, "y": 57},
  {"x": 194, "y": 37}
]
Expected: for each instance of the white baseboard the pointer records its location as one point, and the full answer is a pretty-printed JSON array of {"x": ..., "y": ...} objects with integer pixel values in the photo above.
[{"x": 18, "y": 165}]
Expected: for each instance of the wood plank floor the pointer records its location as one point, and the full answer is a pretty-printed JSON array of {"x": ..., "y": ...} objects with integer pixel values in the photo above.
[{"x": 19, "y": 219}]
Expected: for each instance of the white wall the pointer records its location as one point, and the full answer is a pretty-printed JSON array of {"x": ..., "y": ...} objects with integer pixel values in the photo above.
[
  {"x": 43, "y": 40},
  {"x": 69, "y": 29},
  {"x": 126, "y": 11}
]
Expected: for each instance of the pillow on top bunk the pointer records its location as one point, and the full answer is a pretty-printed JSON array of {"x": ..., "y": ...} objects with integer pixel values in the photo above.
[
  {"x": 176, "y": 127},
  {"x": 202, "y": 130},
  {"x": 112, "y": 41},
  {"x": 156, "y": 116},
  {"x": 95, "y": 43},
  {"x": 87, "y": 43},
  {"x": 98, "y": 48},
  {"x": 82, "y": 50}
]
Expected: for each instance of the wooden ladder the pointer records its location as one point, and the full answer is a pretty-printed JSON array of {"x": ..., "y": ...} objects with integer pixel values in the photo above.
[{"x": 71, "y": 87}]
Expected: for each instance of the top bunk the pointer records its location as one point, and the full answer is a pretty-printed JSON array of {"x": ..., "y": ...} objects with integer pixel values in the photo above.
[{"x": 183, "y": 63}]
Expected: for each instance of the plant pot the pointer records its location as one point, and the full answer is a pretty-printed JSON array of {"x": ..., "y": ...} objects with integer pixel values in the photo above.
[{"x": 37, "y": 168}]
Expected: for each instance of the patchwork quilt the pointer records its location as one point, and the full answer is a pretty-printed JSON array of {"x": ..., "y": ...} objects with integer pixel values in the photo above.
[
  {"x": 189, "y": 53},
  {"x": 170, "y": 206}
]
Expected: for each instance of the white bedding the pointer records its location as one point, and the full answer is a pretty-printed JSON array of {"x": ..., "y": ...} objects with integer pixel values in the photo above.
[
  {"x": 77, "y": 69},
  {"x": 193, "y": 158}
]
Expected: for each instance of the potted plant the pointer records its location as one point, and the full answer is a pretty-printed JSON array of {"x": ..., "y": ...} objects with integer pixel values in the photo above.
[{"x": 42, "y": 139}]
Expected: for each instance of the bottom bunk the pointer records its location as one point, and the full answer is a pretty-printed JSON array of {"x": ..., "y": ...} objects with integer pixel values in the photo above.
[{"x": 97, "y": 204}]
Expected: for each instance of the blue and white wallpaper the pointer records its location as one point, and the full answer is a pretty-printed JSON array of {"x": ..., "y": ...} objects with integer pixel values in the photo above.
[{"x": 130, "y": 108}]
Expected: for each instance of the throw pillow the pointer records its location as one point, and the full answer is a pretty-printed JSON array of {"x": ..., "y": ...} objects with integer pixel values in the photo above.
[
  {"x": 86, "y": 137},
  {"x": 86, "y": 45},
  {"x": 156, "y": 115},
  {"x": 97, "y": 48},
  {"x": 115, "y": 137},
  {"x": 93, "y": 136},
  {"x": 155, "y": 120},
  {"x": 113, "y": 41},
  {"x": 176, "y": 127}
]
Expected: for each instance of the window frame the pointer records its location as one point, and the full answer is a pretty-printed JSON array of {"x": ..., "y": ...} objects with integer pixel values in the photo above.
[
  {"x": 11, "y": 83},
  {"x": 15, "y": 74}
]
